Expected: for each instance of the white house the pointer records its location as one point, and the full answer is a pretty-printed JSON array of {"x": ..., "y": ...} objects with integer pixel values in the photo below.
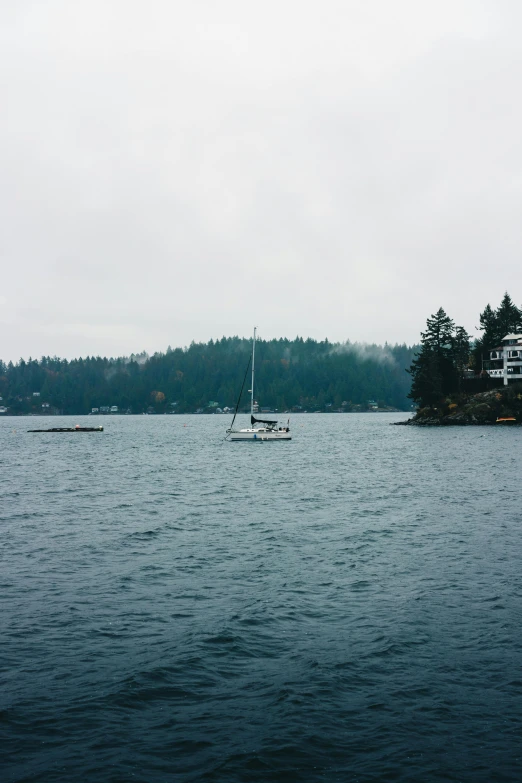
[{"x": 506, "y": 360}]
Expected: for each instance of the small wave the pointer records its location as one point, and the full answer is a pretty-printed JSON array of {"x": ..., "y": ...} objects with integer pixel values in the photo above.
[{"x": 143, "y": 535}]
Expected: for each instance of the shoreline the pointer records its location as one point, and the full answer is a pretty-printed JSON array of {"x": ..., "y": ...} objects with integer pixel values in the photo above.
[{"x": 501, "y": 407}]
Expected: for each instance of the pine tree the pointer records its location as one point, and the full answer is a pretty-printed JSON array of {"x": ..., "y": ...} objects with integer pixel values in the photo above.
[
  {"x": 461, "y": 352},
  {"x": 495, "y": 325},
  {"x": 439, "y": 334},
  {"x": 434, "y": 370},
  {"x": 488, "y": 324},
  {"x": 426, "y": 384},
  {"x": 508, "y": 317}
]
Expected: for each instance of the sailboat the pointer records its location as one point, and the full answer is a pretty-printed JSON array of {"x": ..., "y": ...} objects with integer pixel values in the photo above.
[{"x": 260, "y": 429}]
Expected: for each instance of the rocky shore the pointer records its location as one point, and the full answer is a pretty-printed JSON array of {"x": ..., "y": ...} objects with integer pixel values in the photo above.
[{"x": 464, "y": 410}]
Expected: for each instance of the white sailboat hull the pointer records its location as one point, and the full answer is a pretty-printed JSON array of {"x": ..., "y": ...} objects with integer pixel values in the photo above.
[
  {"x": 256, "y": 433},
  {"x": 259, "y": 435}
]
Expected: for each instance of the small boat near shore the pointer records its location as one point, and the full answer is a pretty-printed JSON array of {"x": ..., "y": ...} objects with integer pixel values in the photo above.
[
  {"x": 71, "y": 429},
  {"x": 506, "y": 420}
]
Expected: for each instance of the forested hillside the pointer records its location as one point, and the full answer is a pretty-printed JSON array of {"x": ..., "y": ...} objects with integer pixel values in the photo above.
[{"x": 290, "y": 374}]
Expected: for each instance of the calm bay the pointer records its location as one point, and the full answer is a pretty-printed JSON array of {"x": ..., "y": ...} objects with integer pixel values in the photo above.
[{"x": 346, "y": 606}]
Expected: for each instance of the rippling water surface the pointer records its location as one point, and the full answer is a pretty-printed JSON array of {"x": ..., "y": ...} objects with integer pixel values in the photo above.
[{"x": 343, "y": 607}]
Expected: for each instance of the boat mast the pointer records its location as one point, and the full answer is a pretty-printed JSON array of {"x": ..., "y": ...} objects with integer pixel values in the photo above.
[{"x": 252, "y": 389}]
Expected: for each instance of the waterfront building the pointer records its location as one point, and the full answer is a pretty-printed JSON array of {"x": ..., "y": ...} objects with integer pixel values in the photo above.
[{"x": 505, "y": 361}]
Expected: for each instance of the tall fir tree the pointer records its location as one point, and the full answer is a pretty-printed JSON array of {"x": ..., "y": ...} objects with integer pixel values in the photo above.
[
  {"x": 508, "y": 317},
  {"x": 461, "y": 352},
  {"x": 488, "y": 324},
  {"x": 438, "y": 367}
]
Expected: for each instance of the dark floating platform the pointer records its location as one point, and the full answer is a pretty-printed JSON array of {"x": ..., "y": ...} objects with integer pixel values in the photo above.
[{"x": 71, "y": 429}]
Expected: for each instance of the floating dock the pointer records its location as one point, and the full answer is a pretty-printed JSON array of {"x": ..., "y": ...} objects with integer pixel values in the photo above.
[{"x": 71, "y": 429}]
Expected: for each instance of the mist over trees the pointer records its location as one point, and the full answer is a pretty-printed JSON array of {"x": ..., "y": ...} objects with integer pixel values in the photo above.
[{"x": 290, "y": 374}]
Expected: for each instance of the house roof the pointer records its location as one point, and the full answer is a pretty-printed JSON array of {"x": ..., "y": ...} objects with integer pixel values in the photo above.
[{"x": 512, "y": 337}]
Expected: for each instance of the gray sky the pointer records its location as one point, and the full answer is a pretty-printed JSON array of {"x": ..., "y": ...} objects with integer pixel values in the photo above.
[{"x": 176, "y": 170}]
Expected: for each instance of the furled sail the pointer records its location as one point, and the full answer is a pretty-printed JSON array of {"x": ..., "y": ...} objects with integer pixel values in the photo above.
[{"x": 253, "y": 421}]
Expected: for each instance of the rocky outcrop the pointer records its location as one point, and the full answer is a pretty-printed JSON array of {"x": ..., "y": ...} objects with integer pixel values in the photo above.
[{"x": 484, "y": 408}]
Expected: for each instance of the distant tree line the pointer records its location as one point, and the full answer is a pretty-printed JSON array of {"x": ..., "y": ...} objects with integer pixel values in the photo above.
[
  {"x": 290, "y": 374},
  {"x": 447, "y": 351}
]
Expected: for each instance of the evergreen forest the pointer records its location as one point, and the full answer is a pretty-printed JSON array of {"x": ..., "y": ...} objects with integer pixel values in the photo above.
[
  {"x": 300, "y": 374},
  {"x": 291, "y": 375}
]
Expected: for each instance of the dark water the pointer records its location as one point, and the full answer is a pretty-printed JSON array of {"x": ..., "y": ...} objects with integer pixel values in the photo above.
[{"x": 344, "y": 607}]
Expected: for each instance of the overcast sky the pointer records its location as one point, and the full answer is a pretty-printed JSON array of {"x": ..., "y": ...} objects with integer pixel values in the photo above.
[{"x": 172, "y": 170}]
